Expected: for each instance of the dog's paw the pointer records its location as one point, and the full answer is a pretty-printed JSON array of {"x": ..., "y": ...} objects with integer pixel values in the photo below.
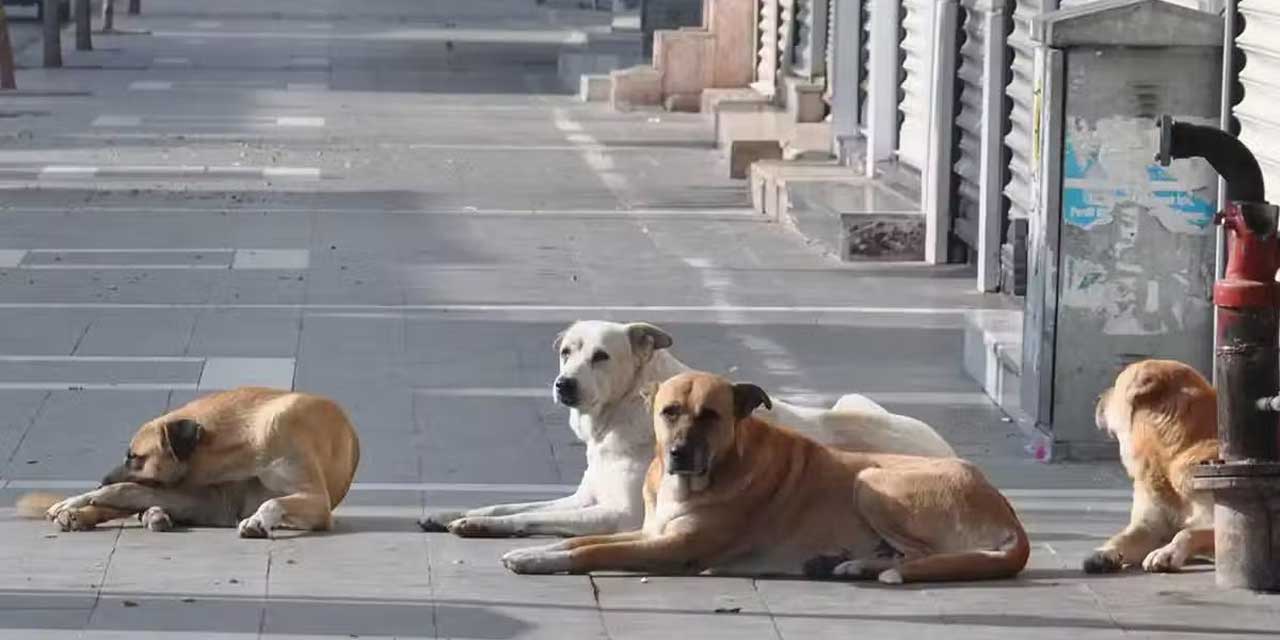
[
  {"x": 253, "y": 527},
  {"x": 481, "y": 528},
  {"x": 439, "y": 522},
  {"x": 74, "y": 502},
  {"x": 156, "y": 519},
  {"x": 853, "y": 569},
  {"x": 72, "y": 520},
  {"x": 1162, "y": 560},
  {"x": 891, "y": 576},
  {"x": 536, "y": 560},
  {"x": 1103, "y": 561}
]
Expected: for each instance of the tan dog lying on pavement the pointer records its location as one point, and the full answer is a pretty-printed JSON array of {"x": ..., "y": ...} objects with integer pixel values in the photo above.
[
  {"x": 1165, "y": 416},
  {"x": 736, "y": 495},
  {"x": 254, "y": 458}
]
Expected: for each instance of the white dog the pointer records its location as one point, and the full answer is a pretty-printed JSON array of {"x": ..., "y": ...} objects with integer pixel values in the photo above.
[{"x": 603, "y": 367}]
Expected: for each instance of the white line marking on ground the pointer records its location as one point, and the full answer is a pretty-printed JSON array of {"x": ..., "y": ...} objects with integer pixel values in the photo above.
[
  {"x": 97, "y": 386},
  {"x": 590, "y": 150},
  {"x": 122, "y": 267},
  {"x": 229, "y": 373},
  {"x": 482, "y": 36},
  {"x": 206, "y": 24},
  {"x": 290, "y": 259},
  {"x": 299, "y": 121},
  {"x": 455, "y": 487},
  {"x": 185, "y": 171},
  {"x": 306, "y": 86},
  {"x": 743, "y": 214},
  {"x": 171, "y": 61},
  {"x": 136, "y": 250},
  {"x": 10, "y": 258},
  {"x": 151, "y": 86},
  {"x": 309, "y": 61},
  {"x": 117, "y": 121},
  {"x": 67, "y": 173},
  {"x": 522, "y": 308},
  {"x": 64, "y": 358},
  {"x": 302, "y": 173}
]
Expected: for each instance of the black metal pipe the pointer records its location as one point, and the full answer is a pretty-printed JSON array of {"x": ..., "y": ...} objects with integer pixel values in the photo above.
[{"x": 1228, "y": 156}]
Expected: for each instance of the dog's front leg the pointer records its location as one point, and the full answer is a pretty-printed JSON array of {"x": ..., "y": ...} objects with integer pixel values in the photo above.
[
  {"x": 593, "y": 520},
  {"x": 666, "y": 554},
  {"x": 123, "y": 499},
  {"x": 1150, "y": 525},
  {"x": 439, "y": 522},
  {"x": 304, "y": 511}
]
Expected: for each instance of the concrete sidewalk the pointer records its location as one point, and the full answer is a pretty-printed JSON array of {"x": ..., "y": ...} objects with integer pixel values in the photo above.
[{"x": 390, "y": 203}]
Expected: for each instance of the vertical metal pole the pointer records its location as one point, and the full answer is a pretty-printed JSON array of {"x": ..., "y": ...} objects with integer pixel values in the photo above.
[
  {"x": 942, "y": 117},
  {"x": 108, "y": 15},
  {"x": 1224, "y": 116},
  {"x": 52, "y": 34},
  {"x": 84, "y": 26},
  {"x": 7, "y": 80},
  {"x": 882, "y": 84}
]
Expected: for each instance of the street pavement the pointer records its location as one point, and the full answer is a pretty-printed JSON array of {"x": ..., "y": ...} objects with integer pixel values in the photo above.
[{"x": 393, "y": 203}]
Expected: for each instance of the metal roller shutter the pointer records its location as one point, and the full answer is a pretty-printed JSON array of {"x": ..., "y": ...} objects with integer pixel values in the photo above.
[
  {"x": 1021, "y": 121},
  {"x": 1257, "y": 112},
  {"x": 917, "y": 60},
  {"x": 969, "y": 117}
]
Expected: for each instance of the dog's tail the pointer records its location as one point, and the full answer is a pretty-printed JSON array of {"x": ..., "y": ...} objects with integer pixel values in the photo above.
[
  {"x": 34, "y": 505},
  {"x": 1004, "y": 562}
]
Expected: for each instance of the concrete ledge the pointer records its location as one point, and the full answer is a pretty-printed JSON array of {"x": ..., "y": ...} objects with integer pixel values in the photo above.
[
  {"x": 685, "y": 102},
  {"x": 803, "y": 100},
  {"x": 856, "y": 219},
  {"x": 603, "y": 52},
  {"x": 594, "y": 88},
  {"x": 767, "y": 177},
  {"x": 744, "y": 153},
  {"x": 636, "y": 86},
  {"x": 713, "y": 98}
]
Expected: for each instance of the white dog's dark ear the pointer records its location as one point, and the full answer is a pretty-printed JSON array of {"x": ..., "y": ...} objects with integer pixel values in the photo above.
[
  {"x": 746, "y": 397},
  {"x": 649, "y": 392},
  {"x": 645, "y": 336}
]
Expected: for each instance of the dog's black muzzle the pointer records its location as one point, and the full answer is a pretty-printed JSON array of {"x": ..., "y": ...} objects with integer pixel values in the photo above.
[
  {"x": 687, "y": 458},
  {"x": 566, "y": 391}
]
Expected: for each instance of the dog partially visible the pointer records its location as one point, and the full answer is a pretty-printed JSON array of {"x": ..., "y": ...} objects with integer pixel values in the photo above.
[
  {"x": 252, "y": 458},
  {"x": 734, "y": 494},
  {"x": 1164, "y": 415}
]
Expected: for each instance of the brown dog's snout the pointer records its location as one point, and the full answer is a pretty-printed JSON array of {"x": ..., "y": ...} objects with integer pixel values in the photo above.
[
  {"x": 118, "y": 474},
  {"x": 687, "y": 457}
]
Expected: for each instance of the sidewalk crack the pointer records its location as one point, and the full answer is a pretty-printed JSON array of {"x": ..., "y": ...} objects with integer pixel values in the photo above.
[
  {"x": 266, "y": 595},
  {"x": 595, "y": 596},
  {"x": 102, "y": 579},
  {"x": 764, "y": 603}
]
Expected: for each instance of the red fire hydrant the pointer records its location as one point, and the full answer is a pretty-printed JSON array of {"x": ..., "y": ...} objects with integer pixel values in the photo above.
[{"x": 1246, "y": 480}]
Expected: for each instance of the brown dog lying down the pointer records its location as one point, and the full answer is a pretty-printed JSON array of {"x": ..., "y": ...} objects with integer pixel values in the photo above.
[
  {"x": 254, "y": 458},
  {"x": 1165, "y": 416},
  {"x": 735, "y": 495}
]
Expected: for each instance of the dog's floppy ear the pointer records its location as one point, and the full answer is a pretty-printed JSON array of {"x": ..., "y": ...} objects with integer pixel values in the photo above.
[
  {"x": 646, "y": 337},
  {"x": 181, "y": 438},
  {"x": 649, "y": 392},
  {"x": 746, "y": 397}
]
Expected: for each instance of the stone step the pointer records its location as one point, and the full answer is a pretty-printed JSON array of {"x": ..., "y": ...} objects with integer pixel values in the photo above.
[
  {"x": 854, "y": 218},
  {"x": 993, "y": 356}
]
